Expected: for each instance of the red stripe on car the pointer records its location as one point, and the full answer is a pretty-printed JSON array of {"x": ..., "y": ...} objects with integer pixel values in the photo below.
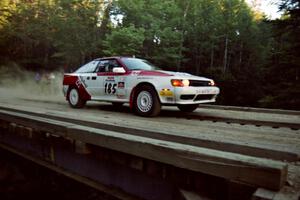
[{"x": 74, "y": 81}]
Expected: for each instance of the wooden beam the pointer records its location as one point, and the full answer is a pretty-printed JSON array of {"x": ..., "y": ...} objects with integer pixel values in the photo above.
[{"x": 256, "y": 171}]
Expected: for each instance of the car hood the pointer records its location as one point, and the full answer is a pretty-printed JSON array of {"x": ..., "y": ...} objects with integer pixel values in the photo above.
[{"x": 182, "y": 75}]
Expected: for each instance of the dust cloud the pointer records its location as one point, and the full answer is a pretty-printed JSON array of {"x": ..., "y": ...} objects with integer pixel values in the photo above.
[{"x": 18, "y": 83}]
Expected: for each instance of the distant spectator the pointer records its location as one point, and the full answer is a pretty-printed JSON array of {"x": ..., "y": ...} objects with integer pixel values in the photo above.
[
  {"x": 50, "y": 78},
  {"x": 37, "y": 77}
]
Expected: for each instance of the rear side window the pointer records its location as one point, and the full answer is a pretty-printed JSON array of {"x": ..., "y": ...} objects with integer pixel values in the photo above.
[{"x": 88, "y": 68}]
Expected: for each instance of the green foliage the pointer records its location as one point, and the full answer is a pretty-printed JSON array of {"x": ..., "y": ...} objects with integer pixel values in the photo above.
[
  {"x": 126, "y": 41},
  {"x": 163, "y": 40},
  {"x": 6, "y": 9},
  {"x": 76, "y": 30},
  {"x": 52, "y": 33},
  {"x": 282, "y": 85}
]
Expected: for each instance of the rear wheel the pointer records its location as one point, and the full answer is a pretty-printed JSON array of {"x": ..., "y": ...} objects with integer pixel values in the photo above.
[
  {"x": 75, "y": 99},
  {"x": 146, "y": 102},
  {"x": 188, "y": 108}
]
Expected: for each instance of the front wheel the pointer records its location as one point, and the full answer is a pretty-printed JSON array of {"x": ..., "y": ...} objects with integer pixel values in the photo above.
[
  {"x": 188, "y": 108},
  {"x": 146, "y": 102},
  {"x": 75, "y": 99}
]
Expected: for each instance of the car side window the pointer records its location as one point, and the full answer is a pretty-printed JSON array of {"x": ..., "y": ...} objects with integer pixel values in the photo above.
[
  {"x": 88, "y": 68},
  {"x": 108, "y": 65},
  {"x": 102, "y": 65}
]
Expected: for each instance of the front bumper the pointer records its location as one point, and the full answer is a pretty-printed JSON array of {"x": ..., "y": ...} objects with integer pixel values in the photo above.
[{"x": 195, "y": 95}]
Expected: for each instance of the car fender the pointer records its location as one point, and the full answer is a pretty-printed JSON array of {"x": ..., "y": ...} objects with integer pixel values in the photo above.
[
  {"x": 162, "y": 86},
  {"x": 74, "y": 81}
]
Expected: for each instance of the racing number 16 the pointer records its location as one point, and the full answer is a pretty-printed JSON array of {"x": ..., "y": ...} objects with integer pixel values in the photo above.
[{"x": 110, "y": 88}]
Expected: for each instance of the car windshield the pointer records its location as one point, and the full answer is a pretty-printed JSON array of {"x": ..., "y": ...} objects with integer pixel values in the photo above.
[{"x": 138, "y": 64}]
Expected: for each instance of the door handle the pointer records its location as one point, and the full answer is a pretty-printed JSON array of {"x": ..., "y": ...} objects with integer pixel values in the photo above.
[{"x": 94, "y": 77}]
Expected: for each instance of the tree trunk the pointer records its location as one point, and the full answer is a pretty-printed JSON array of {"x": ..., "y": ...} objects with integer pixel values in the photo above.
[
  {"x": 198, "y": 61},
  {"x": 241, "y": 54},
  {"x": 46, "y": 57},
  {"x": 182, "y": 34},
  {"x": 82, "y": 57},
  {"x": 212, "y": 56},
  {"x": 225, "y": 54}
]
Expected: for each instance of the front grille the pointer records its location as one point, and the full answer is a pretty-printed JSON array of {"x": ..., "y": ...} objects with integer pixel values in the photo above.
[
  {"x": 187, "y": 96},
  {"x": 198, "y": 83},
  {"x": 204, "y": 97}
]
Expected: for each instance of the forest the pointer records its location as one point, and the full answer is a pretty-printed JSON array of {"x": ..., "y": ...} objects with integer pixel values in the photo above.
[{"x": 254, "y": 60}]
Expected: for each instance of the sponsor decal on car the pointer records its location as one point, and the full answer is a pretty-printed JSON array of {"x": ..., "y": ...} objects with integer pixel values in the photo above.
[
  {"x": 206, "y": 91},
  {"x": 110, "y": 88},
  {"x": 110, "y": 78},
  {"x": 121, "y": 85},
  {"x": 80, "y": 81},
  {"x": 122, "y": 79},
  {"x": 166, "y": 93},
  {"x": 135, "y": 73}
]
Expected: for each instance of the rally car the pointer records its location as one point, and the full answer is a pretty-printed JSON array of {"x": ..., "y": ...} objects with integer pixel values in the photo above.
[{"x": 136, "y": 81}]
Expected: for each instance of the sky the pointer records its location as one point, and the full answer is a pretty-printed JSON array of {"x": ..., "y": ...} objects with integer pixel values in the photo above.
[{"x": 269, "y": 7}]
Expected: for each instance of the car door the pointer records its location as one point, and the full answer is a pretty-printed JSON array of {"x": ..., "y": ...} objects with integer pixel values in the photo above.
[
  {"x": 89, "y": 79},
  {"x": 111, "y": 87}
]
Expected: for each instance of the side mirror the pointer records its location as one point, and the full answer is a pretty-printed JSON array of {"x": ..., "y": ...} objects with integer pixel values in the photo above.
[{"x": 120, "y": 70}]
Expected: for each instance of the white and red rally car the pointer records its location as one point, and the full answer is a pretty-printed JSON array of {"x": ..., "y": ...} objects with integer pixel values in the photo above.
[{"x": 137, "y": 82}]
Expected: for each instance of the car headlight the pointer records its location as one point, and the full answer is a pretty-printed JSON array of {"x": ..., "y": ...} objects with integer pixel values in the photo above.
[
  {"x": 180, "y": 82},
  {"x": 212, "y": 83}
]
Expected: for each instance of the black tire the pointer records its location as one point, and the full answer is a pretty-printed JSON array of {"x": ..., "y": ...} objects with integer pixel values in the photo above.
[
  {"x": 188, "y": 108},
  {"x": 75, "y": 102},
  {"x": 146, "y": 102}
]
